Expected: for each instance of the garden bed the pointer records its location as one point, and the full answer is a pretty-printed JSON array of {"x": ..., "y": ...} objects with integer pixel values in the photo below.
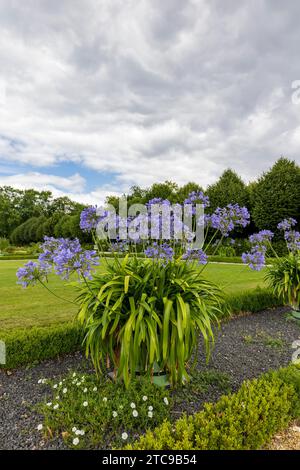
[{"x": 246, "y": 347}]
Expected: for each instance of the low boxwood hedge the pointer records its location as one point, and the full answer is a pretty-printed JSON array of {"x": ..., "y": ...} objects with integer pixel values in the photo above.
[
  {"x": 244, "y": 420},
  {"x": 31, "y": 345},
  {"x": 25, "y": 346}
]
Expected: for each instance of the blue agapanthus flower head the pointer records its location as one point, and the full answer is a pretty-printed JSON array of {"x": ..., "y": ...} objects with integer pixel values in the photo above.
[
  {"x": 90, "y": 218},
  {"x": 287, "y": 224},
  {"x": 226, "y": 219},
  {"x": 195, "y": 254},
  {"x": 163, "y": 252},
  {"x": 32, "y": 272}
]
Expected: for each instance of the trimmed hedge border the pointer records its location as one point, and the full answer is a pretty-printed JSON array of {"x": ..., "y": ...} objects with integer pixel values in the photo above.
[
  {"x": 245, "y": 420},
  {"x": 17, "y": 257},
  {"x": 32, "y": 345}
]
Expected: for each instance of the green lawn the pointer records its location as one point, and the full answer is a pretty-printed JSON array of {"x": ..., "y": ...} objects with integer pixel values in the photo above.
[{"x": 35, "y": 306}]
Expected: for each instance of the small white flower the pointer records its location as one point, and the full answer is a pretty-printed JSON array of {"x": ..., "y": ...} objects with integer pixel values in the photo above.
[
  {"x": 145, "y": 398},
  {"x": 55, "y": 386},
  {"x": 74, "y": 429},
  {"x": 132, "y": 405},
  {"x": 150, "y": 414},
  {"x": 49, "y": 403},
  {"x": 57, "y": 397},
  {"x": 95, "y": 389},
  {"x": 75, "y": 441},
  {"x": 135, "y": 414},
  {"x": 84, "y": 390},
  {"x": 124, "y": 436},
  {"x": 78, "y": 384},
  {"x": 78, "y": 432},
  {"x": 74, "y": 374},
  {"x": 60, "y": 384},
  {"x": 150, "y": 408},
  {"x": 105, "y": 399},
  {"x": 56, "y": 406},
  {"x": 82, "y": 432},
  {"x": 65, "y": 390},
  {"x": 85, "y": 403},
  {"x": 40, "y": 427},
  {"x": 40, "y": 381},
  {"x": 166, "y": 401},
  {"x": 115, "y": 414}
]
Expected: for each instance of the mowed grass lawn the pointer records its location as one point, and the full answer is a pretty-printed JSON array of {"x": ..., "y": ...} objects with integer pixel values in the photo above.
[{"x": 35, "y": 306}]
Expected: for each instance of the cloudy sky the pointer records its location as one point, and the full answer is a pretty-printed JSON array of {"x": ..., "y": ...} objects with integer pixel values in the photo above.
[{"x": 98, "y": 95}]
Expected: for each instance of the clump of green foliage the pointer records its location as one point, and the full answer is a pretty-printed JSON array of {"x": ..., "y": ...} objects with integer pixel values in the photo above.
[{"x": 241, "y": 421}]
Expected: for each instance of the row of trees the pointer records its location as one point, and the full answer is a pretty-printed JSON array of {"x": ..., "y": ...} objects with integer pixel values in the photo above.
[
  {"x": 273, "y": 197},
  {"x": 27, "y": 216}
]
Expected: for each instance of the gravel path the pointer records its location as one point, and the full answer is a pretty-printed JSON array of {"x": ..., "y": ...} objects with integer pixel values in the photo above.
[{"x": 245, "y": 347}]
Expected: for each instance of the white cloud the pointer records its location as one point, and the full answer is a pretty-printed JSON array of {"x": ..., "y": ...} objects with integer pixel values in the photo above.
[{"x": 147, "y": 90}]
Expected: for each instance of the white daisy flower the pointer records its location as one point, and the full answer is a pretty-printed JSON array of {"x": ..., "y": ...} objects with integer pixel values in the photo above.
[
  {"x": 166, "y": 401},
  {"x": 150, "y": 414},
  {"x": 57, "y": 397},
  {"x": 145, "y": 398},
  {"x": 132, "y": 405},
  {"x": 49, "y": 403},
  {"x": 82, "y": 432},
  {"x": 124, "y": 436},
  {"x": 60, "y": 384},
  {"x": 150, "y": 408},
  {"x": 105, "y": 399},
  {"x": 75, "y": 441},
  {"x": 74, "y": 429},
  {"x": 39, "y": 427},
  {"x": 84, "y": 390},
  {"x": 74, "y": 374},
  {"x": 115, "y": 414},
  {"x": 55, "y": 386},
  {"x": 56, "y": 406},
  {"x": 78, "y": 432},
  {"x": 65, "y": 390},
  {"x": 135, "y": 414},
  {"x": 85, "y": 403}
]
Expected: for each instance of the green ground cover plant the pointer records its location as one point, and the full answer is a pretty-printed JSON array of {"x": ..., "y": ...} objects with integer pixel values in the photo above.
[
  {"x": 90, "y": 413},
  {"x": 245, "y": 420}
]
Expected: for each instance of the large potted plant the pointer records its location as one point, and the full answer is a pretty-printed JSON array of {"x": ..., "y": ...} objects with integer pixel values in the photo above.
[{"x": 144, "y": 308}]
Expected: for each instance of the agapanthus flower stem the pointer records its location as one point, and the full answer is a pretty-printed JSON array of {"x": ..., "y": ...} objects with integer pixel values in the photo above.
[{"x": 55, "y": 295}]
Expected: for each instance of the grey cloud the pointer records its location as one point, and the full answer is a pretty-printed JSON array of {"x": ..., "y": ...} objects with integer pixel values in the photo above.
[{"x": 150, "y": 90}]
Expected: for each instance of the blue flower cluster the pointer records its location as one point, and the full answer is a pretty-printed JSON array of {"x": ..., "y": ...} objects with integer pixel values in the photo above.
[
  {"x": 67, "y": 256},
  {"x": 292, "y": 237},
  {"x": 287, "y": 224},
  {"x": 226, "y": 219},
  {"x": 256, "y": 258},
  {"x": 195, "y": 254},
  {"x": 90, "y": 217},
  {"x": 31, "y": 273},
  {"x": 197, "y": 197},
  {"x": 160, "y": 252}
]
